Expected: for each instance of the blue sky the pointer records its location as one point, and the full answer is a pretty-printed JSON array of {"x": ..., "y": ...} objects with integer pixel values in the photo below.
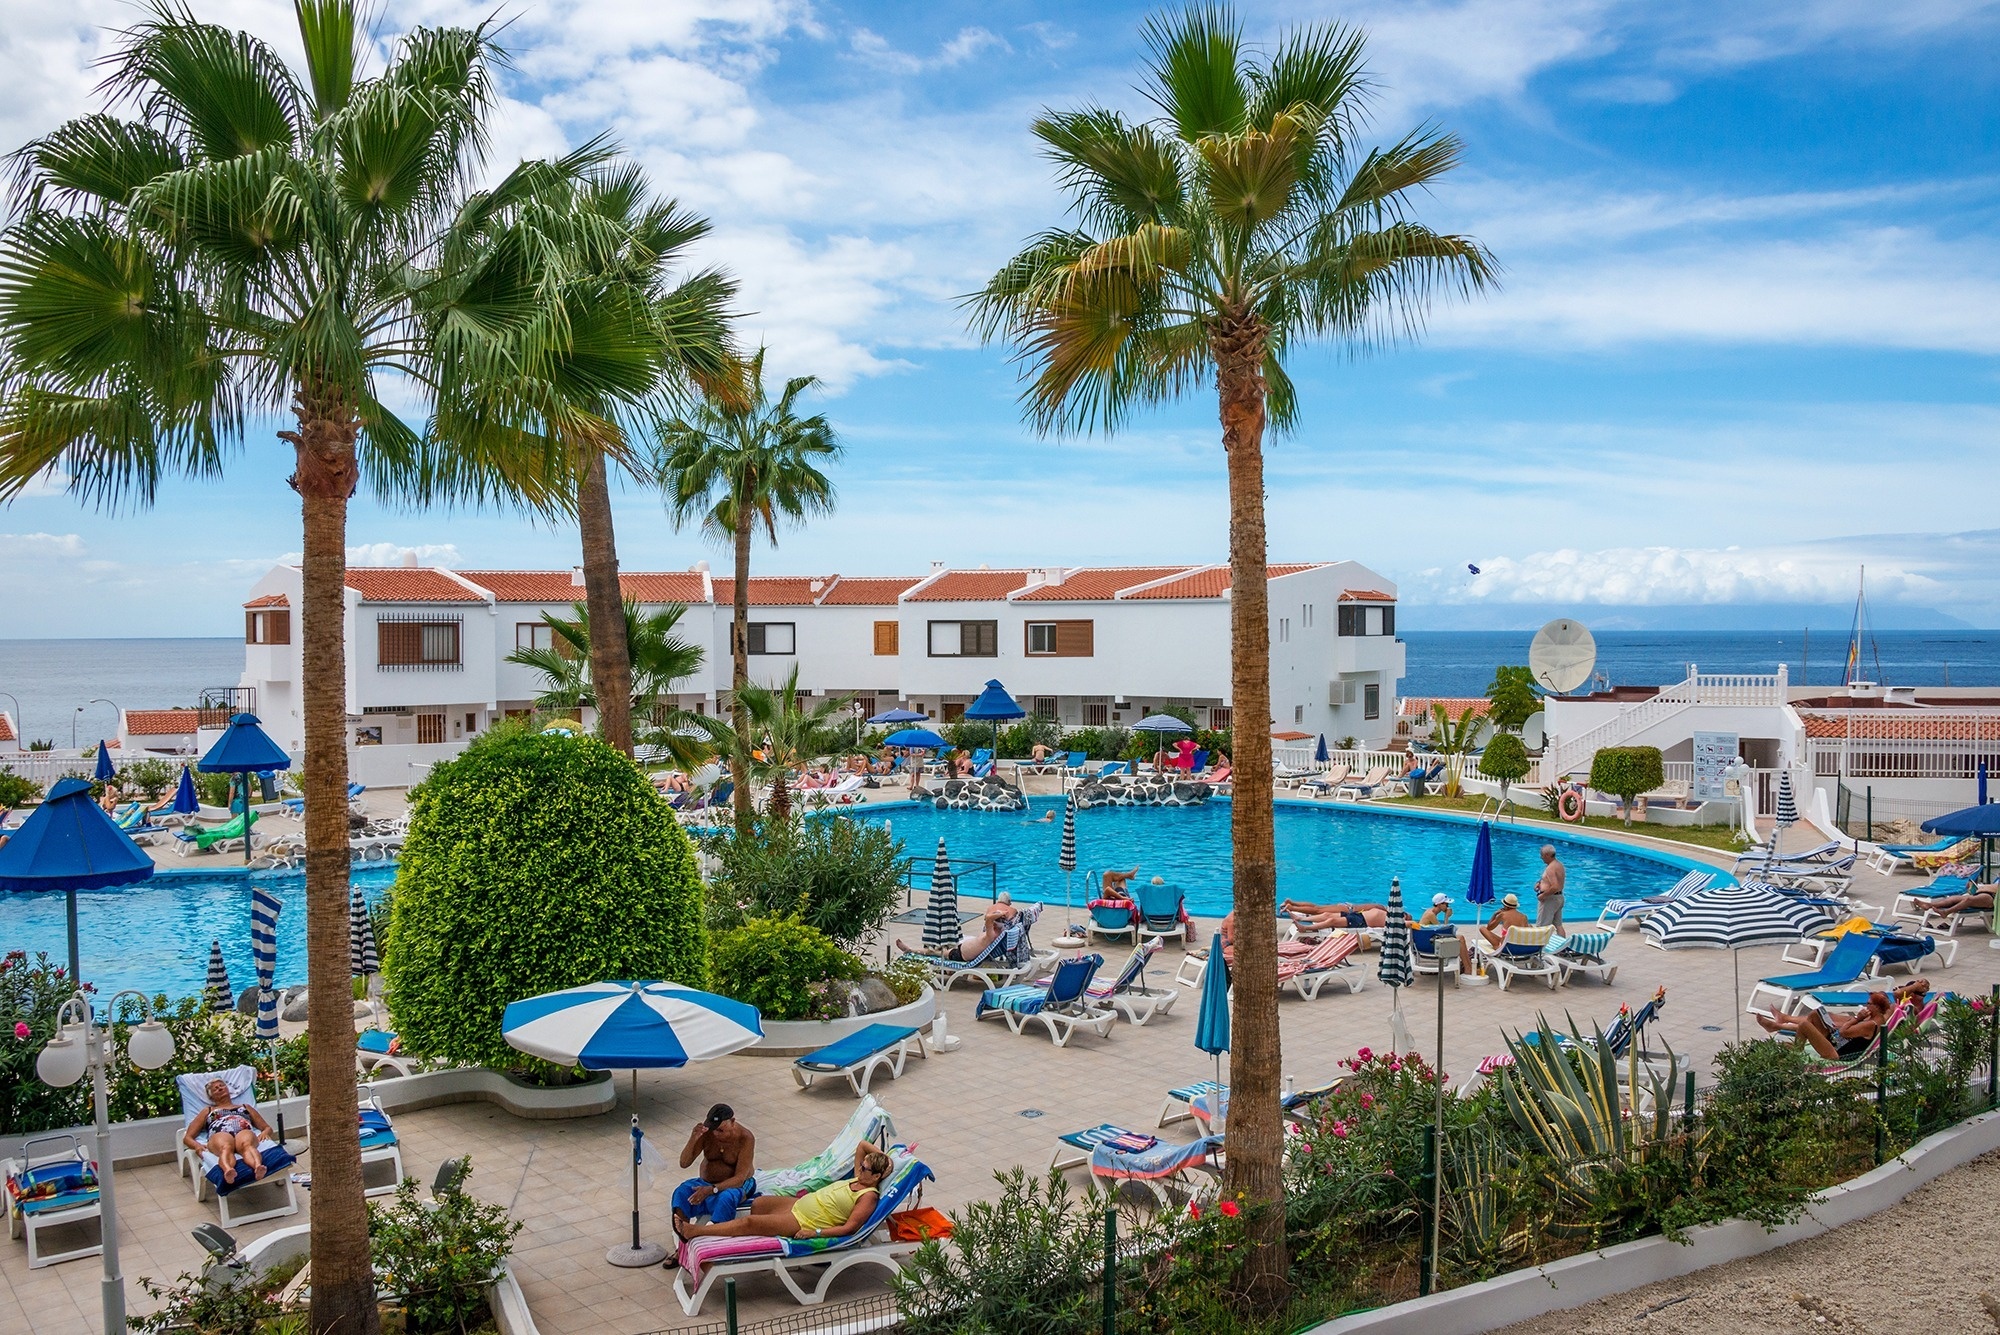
[{"x": 1746, "y": 338}]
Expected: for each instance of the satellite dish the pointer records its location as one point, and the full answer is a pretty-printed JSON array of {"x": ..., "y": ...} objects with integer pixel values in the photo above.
[
  {"x": 1562, "y": 656},
  {"x": 1532, "y": 730}
]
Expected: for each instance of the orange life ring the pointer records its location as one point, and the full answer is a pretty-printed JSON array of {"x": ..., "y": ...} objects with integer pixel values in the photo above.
[{"x": 1570, "y": 805}]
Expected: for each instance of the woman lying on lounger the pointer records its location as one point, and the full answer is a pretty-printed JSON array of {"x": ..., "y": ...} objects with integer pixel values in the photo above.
[
  {"x": 1980, "y": 900},
  {"x": 834, "y": 1211},
  {"x": 1845, "y": 1037},
  {"x": 1320, "y": 917},
  {"x": 228, "y": 1130}
]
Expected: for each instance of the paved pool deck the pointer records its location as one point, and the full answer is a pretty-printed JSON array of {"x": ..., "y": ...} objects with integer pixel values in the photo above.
[{"x": 997, "y": 1102}]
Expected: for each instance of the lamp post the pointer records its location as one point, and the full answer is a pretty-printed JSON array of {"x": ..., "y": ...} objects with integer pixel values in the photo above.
[
  {"x": 82, "y": 1044},
  {"x": 78, "y": 713}
]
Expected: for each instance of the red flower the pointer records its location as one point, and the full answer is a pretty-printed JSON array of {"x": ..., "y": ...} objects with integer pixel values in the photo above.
[
  {"x": 1230, "y": 1208},
  {"x": 20, "y": 1029},
  {"x": 1365, "y": 1054},
  {"x": 1194, "y": 1211}
]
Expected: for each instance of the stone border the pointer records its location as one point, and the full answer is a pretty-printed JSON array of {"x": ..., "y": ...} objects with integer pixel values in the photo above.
[
  {"x": 1576, "y": 1280},
  {"x": 795, "y": 1038},
  {"x": 152, "y": 1140},
  {"x": 510, "y": 1306}
]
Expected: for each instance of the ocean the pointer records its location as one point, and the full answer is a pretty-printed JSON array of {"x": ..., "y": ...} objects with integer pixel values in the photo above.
[{"x": 63, "y": 684}]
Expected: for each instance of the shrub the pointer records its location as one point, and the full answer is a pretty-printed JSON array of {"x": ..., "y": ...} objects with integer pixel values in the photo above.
[
  {"x": 15, "y": 790},
  {"x": 31, "y": 992},
  {"x": 533, "y": 862},
  {"x": 907, "y": 978},
  {"x": 1098, "y": 743},
  {"x": 1512, "y": 696},
  {"x": 1627, "y": 771},
  {"x": 783, "y": 967},
  {"x": 841, "y": 876},
  {"x": 1505, "y": 759},
  {"x": 152, "y": 776},
  {"x": 1028, "y": 1261},
  {"x": 438, "y": 1258},
  {"x": 213, "y": 789}
]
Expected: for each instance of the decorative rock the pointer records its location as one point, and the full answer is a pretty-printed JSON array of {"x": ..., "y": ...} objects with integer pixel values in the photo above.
[
  {"x": 979, "y": 795},
  {"x": 246, "y": 1004},
  {"x": 877, "y": 995},
  {"x": 295, "y": 1009},
  {"x": 1144, "y": 793}
]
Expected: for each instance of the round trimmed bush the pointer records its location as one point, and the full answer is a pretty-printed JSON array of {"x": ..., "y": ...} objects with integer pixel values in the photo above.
[
  {"x": 534, "y": 862},
  {"x": 787, "y": 969}
]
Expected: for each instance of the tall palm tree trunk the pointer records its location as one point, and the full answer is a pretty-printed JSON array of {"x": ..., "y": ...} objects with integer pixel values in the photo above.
[
  {"x": 610, "y": 656},
  {"x": 343, "y": 1288},
  {"x": 1256, "y": 1132},
  {"x": 739, "y": 660}
]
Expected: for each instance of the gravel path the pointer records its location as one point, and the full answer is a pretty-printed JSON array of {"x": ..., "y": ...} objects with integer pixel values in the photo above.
[{"x": 1928, "y": 1264}]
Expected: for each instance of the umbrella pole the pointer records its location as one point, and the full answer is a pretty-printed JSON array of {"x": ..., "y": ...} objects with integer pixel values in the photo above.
[
  {"x": 75, "y": 956},
  {"x": 639, "y": 1254},
  {"x": 1437, "y": 1138},
  {"x": 1736, "y": 990}
]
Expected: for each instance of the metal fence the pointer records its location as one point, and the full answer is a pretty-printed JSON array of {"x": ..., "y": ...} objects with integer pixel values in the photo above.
[{"x": 860, "y": 1317}]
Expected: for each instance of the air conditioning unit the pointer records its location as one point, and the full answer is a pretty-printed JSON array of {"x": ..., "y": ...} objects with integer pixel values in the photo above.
[{"x": 1340, "y": 693}]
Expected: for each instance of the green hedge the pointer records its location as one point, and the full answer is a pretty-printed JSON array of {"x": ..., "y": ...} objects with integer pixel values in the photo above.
[
  {"x": 1626, "y": 772},
  {"x": 533, "y": 862},
  {"x": 1505, "y": 758},
  {"x": 783, "y": 967}
]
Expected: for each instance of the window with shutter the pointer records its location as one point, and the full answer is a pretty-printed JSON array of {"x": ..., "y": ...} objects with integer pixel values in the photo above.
[
  {"x": 888, "y": 638},
  {"x": 417, "y": 644},
  {"x": 1076, "y": 639},
  {"x": 1041, "y": 637},
  {"x": 430, "y": 728}
]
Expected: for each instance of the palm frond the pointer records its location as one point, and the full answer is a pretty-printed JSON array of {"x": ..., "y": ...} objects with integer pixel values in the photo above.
[{"x": 1194, "y": 60}]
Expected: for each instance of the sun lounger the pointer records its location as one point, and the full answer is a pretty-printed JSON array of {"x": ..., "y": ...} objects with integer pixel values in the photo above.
[
  {"x": 1852, "y": 958},
  {"x": 204, "y": 1172},
  {"x": 1052, "y": 763},
  {"x": 1618, "y": 912},
  {"x": 1937, "y": 859},
  {"x": 1127, "y": 993},
  {"x": 1366, "y": 786},
  {"x": 49, "y": 1187},
  {"x": 1162, "y": 913},
  {"x": 1523, "y": 953},
  {"x": 1581, "y": 953},
  {"x": 1319, "y": 785},
  {"x": 1202, "y": 1100},
  {"x": 1891, "y": 858},
  {"x": 1062, "y": 1005},
  {"x": 219, "y": 838},
  {"x": 859, "y": 1054},
  {"x": 1009, "y": 958},
  {"x": 1767, "y": 854},
  {"x": 1325, "y": 962},
  {"x": 705, "y": 1261},
  {"x": 1073, "y": 1150},
  {"x": 379, "y": 1145},
  {"x": 1435, "y": 948},
  {"x": 1823, "y": 873},
  {"x": 1116, "y": 1160},
  {"x": 376, "y": 1050},
  {"x": 1112, "y": 919}
]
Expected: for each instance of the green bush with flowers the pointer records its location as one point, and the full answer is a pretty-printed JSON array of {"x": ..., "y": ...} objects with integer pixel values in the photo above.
[{"x": 534, "y": 862}]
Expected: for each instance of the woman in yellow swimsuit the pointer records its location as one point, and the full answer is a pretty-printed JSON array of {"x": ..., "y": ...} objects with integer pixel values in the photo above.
[{"x": 834, "y": 1211}]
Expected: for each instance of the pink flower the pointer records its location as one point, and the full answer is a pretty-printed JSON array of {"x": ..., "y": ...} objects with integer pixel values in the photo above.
[
  {"x": 20, "y": 1029},
  {"x": 1340, "y": 1131},
  {"x": 1367, "y": 1100},
  {"x": 1230, "y": 1208},
  {"x": 1365, "y": 1055}
]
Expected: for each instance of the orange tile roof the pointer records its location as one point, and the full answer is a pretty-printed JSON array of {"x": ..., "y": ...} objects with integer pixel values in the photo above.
[
  {"x": 1212, "y": 582},
  {"x": 1097, "y": 584},
  {"x": 7, "y": 729},
  {"x": 161, "y": 722},
  {"x": 1916, "y": 725},
  {"x": 783, "y": 590},
  {"x": 269, "y": 600},
  {"x": 556, "y": 586},
  {"x": 867, "y": 591},
  {"x": 408, "y": 584},
  {"x": 1457, "y": 706},
  {"x": 1366, "y": 596},
  {"x": 962, "y": 586}
]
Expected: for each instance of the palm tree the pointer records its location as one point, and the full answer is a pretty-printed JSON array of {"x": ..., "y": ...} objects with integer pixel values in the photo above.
[
  {"x": 773, "y": 732},
  {"x": 739, "y": 461},
  {"x": 1204, "y": 243},
  {"x": 659, "y": 658},
  {"x": 616, "y": 344},
  {"x": 260, "y": 241}
]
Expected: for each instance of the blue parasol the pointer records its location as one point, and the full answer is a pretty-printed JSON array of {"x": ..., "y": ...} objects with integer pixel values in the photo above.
[
  {"x": 1480, "y": 890},
  {"x": 1319, "y": 754},
  {"x": 1980, "y": 822},
  {"x": 917, "y": 739},
  {"x": 896, "y": 716},
  {"x": 1211, "y": 1026},
  {"x": 1981, "y": 793},
  {"x": 244, "y": 748},
  {"x": 995, "y": 704},
  {"x": 69, "y": 844},
  {"x": 186, "y": 802},
  {"x": 106, "y": 771}
]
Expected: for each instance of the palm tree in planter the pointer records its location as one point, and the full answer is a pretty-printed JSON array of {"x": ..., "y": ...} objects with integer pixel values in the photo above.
[
  {"x": 659, "y": 658},
  {"x": 619, "y": 341},
  {"x": 783, "y": 732},
  {"x": 260, "y": 241},
  {"x": 1243, "y": 219},
  {"x": 738, "y": 463}
]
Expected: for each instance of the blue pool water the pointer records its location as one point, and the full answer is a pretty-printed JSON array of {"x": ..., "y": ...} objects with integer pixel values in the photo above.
[
  {"x": 154, "y": 935},
  {"x": 1325, "y": 853}
]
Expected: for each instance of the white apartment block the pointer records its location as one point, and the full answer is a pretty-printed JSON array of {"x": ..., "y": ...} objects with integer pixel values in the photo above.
[{"x": 427, "y": 647}]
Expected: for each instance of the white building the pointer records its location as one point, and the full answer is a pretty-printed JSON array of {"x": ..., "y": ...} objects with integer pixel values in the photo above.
[{"x": 427, "y": 647}]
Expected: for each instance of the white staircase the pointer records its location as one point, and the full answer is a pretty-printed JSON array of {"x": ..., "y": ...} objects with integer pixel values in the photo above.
[{"x": 1571, "y": 755}]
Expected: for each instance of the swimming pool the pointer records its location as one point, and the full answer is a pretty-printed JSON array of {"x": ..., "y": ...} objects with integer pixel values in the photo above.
[
  {"x": 154, "y": 935},
  {"x": 1325, "y": 853}
]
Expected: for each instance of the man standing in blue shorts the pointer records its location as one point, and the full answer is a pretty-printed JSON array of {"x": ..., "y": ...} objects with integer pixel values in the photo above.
[{"x": 725, "y": 1148}]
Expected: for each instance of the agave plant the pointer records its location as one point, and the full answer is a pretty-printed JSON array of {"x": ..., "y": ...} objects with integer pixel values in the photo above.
[{"x": 1483, "y": 1232}]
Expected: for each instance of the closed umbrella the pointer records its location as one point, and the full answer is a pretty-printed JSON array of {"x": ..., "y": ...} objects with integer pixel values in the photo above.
[
  {"x": 1787, "y": 813},
  {"x": 106, "y": 771},
  {"x": 264, "y": 910},
  {"x": 244, "y": 748},
  {"x": 221, "y": 996},
  {"x": 1320, "y": 754},
  {"x": 1066, "y": 859},
  {"x": 994, "y": 703},
  {"x": 362, "y": 958},
  {"x": 941, "y": 913},
  {"x": 1731, "y": 918},
  {"x": 186, "y": 801},
  {"x": 1211, "y": 1025},
  {"x": 1396, "y": 968},
  {"x": 620, "y": 1025},
  {"x": 1981, "y": 792},
  {"x": 69, "y": 844},
  {"x": 1480, "y": 890}
]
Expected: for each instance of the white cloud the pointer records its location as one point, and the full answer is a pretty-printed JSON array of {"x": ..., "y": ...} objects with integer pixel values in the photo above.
[
  {"x": 31, "y": 547},
  {"x": 380, "y": 554}
]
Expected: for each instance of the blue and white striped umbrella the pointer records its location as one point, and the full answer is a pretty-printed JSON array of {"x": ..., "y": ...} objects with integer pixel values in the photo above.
[
  {"x": 1067, "y": 858},
  {"x": 1787, "y": 813},
  {"x": 264, "y": 910},
  {"x": 1732, "y": 918},
  {"x": 627, "y": 1025},
  {"x": 220, "y": 996},
  {"x": 362, "y": 959},
  {"x": 1396, "y": 968},
  {"x": 941, "y": 913}
]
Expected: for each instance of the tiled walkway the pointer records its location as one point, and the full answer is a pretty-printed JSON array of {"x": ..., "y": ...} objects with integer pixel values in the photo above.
[{"x": 998, "y": 1101}]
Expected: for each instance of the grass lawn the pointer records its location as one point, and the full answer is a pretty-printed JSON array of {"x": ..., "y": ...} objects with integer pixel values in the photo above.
[{"x": 1721, "y": 837}]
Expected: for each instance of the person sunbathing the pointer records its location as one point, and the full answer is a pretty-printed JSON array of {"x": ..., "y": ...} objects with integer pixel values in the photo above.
[
  {"x": 229, "y": 1130},
  {"x": 961, "y": 765},
  {"x": 1225, "y": 941},
  {"x": 1508, "y": 916},
  {"x": 1845, "y": 1037},
  {"x": 1324, "y": 917},
  {"x": 1978, "y": 899},
  {"x": 1117, "y": 883},
  {"x": 834, "y": 1211},
  {"x": 993, "y": 922}
]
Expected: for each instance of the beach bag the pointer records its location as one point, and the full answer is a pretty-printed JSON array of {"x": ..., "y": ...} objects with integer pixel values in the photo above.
[{"x": 921, "y": 1224}]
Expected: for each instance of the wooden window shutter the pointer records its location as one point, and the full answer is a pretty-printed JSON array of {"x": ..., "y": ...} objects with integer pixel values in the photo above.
[
  {"x": 281, "y": 627},
  {"x": 888, "y": 638},
  {"x": 1076, "y": 639},
  {"x": 249, "y": 628},
  {"x": 399, "y": 643}
]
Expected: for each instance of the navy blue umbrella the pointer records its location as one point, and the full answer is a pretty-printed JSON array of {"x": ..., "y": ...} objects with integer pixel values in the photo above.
[
  {"x": 1981, "y": 822},
  {"x": 995, "y": 704},
  {"x": 1480, "y": 891},
  {"x": 69, "y": 844},
  {"x": 897, "y": 716},
  {"x": 186, "y": 802},
  {"x": 244, "y": 748},
  {"x": 922, "y": 739},
  {"x": 106, "y": 771},
  {"x": 1320, "y": 754},
  {"x": 1981, "y": 794}
]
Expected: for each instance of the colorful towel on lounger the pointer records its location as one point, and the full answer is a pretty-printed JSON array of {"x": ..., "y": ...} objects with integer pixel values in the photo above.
[
  {"x": 1159, "y": 1161},
  {"x": 1020, "y": 998},
  {"x": 276, "y": 1160},
  {"x": 834, "y": 1162},
  {"x": 52, "y": 1186},
  {"x": 905, "y": 1178}
]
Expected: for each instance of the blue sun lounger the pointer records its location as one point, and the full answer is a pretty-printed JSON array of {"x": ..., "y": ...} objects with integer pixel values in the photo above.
[
  {"x": 1851, "y": 960},
  {"x": 857, "y": 1056}
]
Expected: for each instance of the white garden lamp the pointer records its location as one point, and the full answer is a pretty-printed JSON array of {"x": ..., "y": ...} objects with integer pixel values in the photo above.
[{"x": 81, "y": 1044}]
